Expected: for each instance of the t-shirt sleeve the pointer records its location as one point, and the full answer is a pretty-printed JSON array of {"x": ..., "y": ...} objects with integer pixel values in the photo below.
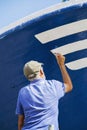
[
  {"x": 60, "y": 88},
  {"x": 19, "y": 108}
]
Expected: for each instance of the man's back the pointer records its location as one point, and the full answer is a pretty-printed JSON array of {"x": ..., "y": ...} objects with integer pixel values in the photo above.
[{"x": 39, "y": 104}]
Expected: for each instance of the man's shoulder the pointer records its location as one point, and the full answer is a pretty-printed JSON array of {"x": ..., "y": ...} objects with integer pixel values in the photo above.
[
  {"x": 23, "y": 89},
  {"x": 51, "y": 82},
  {"x": 54, "y": 82}
]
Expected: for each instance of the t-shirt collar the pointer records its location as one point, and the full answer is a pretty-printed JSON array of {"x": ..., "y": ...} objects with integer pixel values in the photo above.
[{"x": 37, "y": 80}]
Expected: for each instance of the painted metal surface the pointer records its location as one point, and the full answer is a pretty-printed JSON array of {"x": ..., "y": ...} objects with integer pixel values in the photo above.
[{"x": 21, "y": 42}]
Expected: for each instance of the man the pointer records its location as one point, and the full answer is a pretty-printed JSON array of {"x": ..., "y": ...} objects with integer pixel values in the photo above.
[{"x": 37, "y": 105}]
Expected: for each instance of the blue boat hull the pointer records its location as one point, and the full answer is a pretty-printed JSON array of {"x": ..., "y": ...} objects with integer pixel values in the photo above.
[{"x": 27, "y": 41}]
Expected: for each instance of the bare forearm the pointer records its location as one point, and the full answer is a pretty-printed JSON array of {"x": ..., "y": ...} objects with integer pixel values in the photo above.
[
  {"x": 20, "y": 122},
  {"x": 66, "y": 77},
  {"x": 20, "y": 127}
]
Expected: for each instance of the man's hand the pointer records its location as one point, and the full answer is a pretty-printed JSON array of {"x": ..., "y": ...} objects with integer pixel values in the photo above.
[{"x": 60, "y": 58}]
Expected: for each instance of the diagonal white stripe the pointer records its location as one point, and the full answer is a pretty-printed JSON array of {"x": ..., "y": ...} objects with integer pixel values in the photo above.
[
  {"x": 77, "y": 64},
  {"x": 69, "y": 48},
  {"x": 62, "y": 31}
]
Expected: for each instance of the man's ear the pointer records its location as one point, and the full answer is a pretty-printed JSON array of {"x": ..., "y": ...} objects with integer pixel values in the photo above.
[{"x": 41, "y": 72}]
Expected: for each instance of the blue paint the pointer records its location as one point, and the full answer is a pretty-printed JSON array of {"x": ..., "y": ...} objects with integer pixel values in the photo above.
[{"x": 19, "y": 46}]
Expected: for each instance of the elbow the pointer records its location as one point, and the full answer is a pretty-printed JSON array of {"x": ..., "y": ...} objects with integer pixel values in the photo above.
[{"x": 68, "y": 88}]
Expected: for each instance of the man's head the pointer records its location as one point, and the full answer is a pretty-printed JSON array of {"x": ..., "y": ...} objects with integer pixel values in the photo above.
[{"x": 33, "y": 70}]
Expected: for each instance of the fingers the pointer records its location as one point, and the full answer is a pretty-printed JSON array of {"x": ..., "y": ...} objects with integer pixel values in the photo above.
[
  {"x": 60, "y": 58},
  {"x": 59, "y": 55}
]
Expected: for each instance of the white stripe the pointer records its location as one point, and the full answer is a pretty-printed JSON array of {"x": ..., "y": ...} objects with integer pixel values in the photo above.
[
  {"x": 62, "y": 31},
  {"x": 78, "y": 64},
  {"x": 69, "y": 48}
]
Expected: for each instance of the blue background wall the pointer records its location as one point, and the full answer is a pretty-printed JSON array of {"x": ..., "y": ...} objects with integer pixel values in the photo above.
[{"x": 20, "y": 45}]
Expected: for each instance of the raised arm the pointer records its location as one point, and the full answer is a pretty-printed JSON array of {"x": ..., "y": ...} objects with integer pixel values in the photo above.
[{"x": 66, "y": 78}]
